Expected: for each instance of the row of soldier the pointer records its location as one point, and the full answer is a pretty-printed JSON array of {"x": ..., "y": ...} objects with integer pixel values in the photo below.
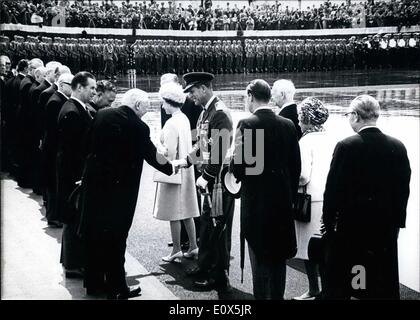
[
  {"x": 100, "y": 56},
  {"x": 113, "y": 57}
]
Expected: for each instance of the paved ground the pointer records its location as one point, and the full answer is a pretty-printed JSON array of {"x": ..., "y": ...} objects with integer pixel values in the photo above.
[{"x": 31, "y": 252}]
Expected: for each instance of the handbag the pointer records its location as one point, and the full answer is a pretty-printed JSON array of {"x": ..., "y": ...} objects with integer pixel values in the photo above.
[
  {"x": 163, "y": 178},
  {"x": 302, "y": 211},
  {"x": 172, "y": 179}
]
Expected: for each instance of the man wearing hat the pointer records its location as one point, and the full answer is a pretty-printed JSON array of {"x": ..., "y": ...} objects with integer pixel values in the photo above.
[{"x": 214, "y": 137}]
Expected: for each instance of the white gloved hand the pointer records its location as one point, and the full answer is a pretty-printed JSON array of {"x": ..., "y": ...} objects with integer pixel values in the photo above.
[
  {"x": 201, "y": 183},
  {"x": 162, "y": 150}
]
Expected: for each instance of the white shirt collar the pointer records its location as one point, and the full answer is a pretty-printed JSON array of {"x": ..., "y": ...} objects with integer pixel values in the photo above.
[
  {"x": 366, "y": 127},
  {"x": 262, "y": 108},
  {"x": 83, "y": 104},
  {"x": 209, "y": 102},
  {"x": 22, "y": 74},
  {"x": 48, "y": 82},
  {"x": 286, "y": 105},
  {"x": 62, "y": 93}
]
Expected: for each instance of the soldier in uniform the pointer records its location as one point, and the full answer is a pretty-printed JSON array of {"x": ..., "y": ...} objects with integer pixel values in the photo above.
[
  {"x": 170, "y": 57},
  {"x": 383, "y": 51},
  {"x": 229, "y": 57},
  {"x": 208, "y": 56},
  {"x": 199, "y": 62},
  {"x": 218, "y": 57},
  {"x": 270, "y": 52},
  {"x": 108, "y": 54},
  {"x": 280, "y": 52},
  {"x": 190, "y": 54},
  {"x": 350, "y": 53},
  {"x": 248, "y": 56},
  {"x": 238, "y": 52},
  {"x": 260, "y": 56},
  {"x": 214, "y": 133},
  {"x": 414, "y": 52},
  {"x": 299, "y": 55}
]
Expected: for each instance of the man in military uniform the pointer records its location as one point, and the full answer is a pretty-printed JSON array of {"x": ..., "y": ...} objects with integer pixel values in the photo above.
[
  {"x": 260, "y": 56},
  {"x": 392, "y": 53},
  {"x": 238, "y": 56},
  {"x": 280, "y": 51},
  {"x": 414, "y": 53},
  {"x": 269, "y": 56},
  {"x": 214, "y": 133},
  {"x": 109, "y": 56},
  {"x": 350, "y": 53},
  {"x": 383, "y": 51},
  {"x": 218, "y": 57}
]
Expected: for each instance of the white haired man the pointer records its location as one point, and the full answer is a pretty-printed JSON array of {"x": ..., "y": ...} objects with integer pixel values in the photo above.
[
  {"x": 365, "y": 203},
  {"x": 47, "y": 93},
  {"x": 49, "y": 145},
  {"x": 119, "y": 143},
  {"x": 283, "y": 93}
]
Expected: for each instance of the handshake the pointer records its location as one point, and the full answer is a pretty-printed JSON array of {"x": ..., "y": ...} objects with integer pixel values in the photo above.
[{"x": 178, "y": 164}]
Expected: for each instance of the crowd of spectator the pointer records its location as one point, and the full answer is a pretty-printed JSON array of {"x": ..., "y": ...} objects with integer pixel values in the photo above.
[{"x": 167, "y": 15}]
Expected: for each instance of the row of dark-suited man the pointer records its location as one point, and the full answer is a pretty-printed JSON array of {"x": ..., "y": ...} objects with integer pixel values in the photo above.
[{"x": 29, "y": 110}]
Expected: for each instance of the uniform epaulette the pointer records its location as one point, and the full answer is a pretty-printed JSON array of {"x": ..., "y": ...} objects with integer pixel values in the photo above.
[{"x": 220, "y": 106}]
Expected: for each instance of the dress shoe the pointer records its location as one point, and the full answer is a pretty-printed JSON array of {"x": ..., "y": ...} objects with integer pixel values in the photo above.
[
  {"x": 196, "y": 271},
  {"x": 130, "y": 293},
  {"x": 205, "y": 284},
  {"x": 171, "y": 258},
  {"x": 306, "y": 296},
  {"x": 191, "y": 254},
  {"x": 74, "y": 273},
  {"x": 55, "y": 224}
]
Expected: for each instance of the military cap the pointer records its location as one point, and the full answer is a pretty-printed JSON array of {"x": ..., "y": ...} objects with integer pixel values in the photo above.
[{"x": 194, "y": 78}]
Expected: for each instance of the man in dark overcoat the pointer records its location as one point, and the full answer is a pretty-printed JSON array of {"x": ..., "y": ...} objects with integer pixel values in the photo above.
[
  {"x": 268, "y": 190},
  {"x": 365, "y": 203},
  {"x": 10, "y": 113},
  {"x": 49, "y": 144},
  {"x": 73, "y": 124},
  {"x": 118, "y": 144},
  {"x": 24, "y": 118}
]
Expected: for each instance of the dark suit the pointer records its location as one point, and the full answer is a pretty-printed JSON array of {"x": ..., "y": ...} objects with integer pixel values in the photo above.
[
  {"x": 37, "y": 130},
  {"x": 46, "y": 95},
  {"x": 290, "y": 112},
  {"x": 10, "y": 117},
  {"x": 266, "y": 198},
  {"x": 365, "y": 200},
  {"x": 119, "y": 142},
  {"x": 4, "y": 146},
  {"x": 25, "y": 123},
  {"x": 49, "y": 150},
  {"x": 73, "y": 125}
]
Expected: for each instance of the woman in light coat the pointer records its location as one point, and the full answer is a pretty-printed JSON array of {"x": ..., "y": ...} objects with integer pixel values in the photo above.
[
  {"x": 177, "y": 202},
  {"x": 316, "y": 152}
]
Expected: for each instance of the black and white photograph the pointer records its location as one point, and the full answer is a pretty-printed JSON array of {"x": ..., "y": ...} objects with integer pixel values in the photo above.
[{"x": 217, "y": 151}]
